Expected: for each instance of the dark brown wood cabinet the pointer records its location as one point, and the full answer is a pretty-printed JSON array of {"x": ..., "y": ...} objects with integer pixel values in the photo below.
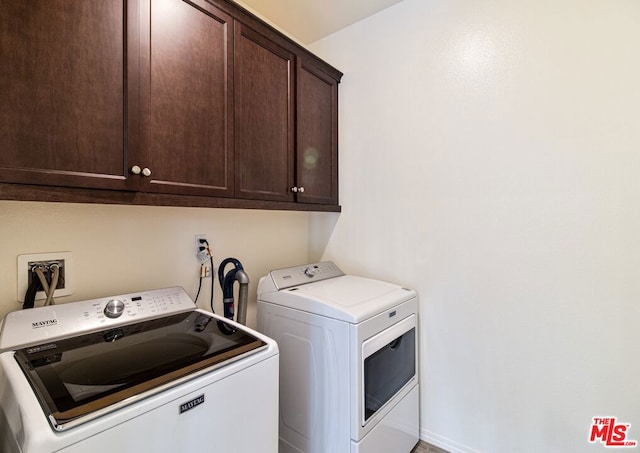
[
  {"x": 63, "y": 93},
  {"x": 166, "y": 102},
  {"x": 317, "y": 134},
  {"x": 186, "y": 92},
  {"x": 264, "y": 112},
  {"x": 286, "y": 137}
]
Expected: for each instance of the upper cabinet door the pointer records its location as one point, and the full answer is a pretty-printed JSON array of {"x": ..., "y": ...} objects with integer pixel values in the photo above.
[
  {"x": 264, "y": 80},
  {"x": 62, "y": 74},
  {"x": 317, "y": 135},
  {"x": 186, "y": 81}
]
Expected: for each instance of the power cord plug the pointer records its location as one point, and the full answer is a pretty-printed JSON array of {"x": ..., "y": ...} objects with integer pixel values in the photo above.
[{"x": 204, "y": 252}]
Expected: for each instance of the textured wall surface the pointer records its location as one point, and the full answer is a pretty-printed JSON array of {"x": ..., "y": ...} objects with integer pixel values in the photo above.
[{"x": 489, "y": 159}]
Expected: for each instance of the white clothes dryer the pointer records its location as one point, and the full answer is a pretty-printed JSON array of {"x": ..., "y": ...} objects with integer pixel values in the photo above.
[{"x": 348, "y": 360}]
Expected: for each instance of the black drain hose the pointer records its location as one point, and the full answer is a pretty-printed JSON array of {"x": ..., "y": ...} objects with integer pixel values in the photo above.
[{"x": 226, "y": 283}]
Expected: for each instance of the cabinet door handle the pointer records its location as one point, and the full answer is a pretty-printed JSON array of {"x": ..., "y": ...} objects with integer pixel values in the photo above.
[
  {"x": 146, "y": 172},
  {"x": 135, "y": 170},
  {"x": 294, "y": 189},
  {"x": 297, "y": 189},
  {"x": 300, "y": 189}
]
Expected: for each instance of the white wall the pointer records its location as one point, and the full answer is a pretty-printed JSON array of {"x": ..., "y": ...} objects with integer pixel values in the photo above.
[
  {"x": 490, "y": 159},
  {"x": 121, "y": 249}
]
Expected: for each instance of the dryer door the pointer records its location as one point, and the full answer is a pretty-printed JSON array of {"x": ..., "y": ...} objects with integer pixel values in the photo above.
[{"x": 389, "y": 365}]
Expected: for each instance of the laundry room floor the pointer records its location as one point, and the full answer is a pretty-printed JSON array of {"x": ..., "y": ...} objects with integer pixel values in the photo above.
[{"x": 424, "y": 447}]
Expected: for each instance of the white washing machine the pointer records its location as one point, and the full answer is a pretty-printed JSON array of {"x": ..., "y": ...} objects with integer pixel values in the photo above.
[
  {"x": 137, "y": 372},
  {"x": 348, "y": 360}
]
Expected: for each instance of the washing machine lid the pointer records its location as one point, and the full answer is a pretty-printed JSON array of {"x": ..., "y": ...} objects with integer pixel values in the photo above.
[
  {"x": 82, "y": 377},
  {"x": 347, "y": 298}
]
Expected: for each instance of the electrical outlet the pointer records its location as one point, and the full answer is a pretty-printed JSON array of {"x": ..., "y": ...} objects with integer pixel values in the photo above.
[
  {"x": 26, "y": 272},
  {"x": 203, "y": 252}
]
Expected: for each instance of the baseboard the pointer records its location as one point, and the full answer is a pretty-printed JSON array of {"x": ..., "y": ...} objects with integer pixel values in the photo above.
[{"x": 444, "y": 443}]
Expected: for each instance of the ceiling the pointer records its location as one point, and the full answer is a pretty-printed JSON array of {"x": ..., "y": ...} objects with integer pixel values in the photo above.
[{"x": 310, "y": 20}]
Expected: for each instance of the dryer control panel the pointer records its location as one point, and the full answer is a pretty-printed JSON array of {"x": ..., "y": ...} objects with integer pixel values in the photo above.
[{"x": 299, "y": 275}]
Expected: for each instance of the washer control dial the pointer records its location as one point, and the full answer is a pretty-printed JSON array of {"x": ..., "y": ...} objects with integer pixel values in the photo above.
[{"x": 114, "y": 308}]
